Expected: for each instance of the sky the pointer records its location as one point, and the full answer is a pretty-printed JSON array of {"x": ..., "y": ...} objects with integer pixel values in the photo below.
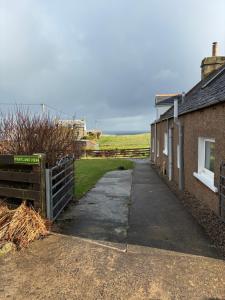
[{"x": 104, "y": 60}]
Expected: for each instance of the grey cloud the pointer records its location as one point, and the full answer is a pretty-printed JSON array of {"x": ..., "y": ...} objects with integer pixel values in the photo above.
[{"x": 104, "y": 60}]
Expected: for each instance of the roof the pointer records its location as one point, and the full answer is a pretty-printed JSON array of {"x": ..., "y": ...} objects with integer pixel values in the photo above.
[
  {"x": 162, "y": 99},
  {"x": 170, "y": 100},
  {"x": 209, "y": 91}
]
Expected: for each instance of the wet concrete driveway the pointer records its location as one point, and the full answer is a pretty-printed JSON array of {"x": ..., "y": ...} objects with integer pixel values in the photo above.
[{"x": 103, "y": 213}]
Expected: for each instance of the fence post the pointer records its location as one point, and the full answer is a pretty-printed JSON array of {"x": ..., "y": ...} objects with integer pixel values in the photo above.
[{"x": 42, "y": 158}]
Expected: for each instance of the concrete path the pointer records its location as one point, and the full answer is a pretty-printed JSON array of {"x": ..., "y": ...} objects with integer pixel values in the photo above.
[
  {"x": 158, "y": 219},
  {"x": 102, "y": 214},
  {"x": 146, "y": 213}
]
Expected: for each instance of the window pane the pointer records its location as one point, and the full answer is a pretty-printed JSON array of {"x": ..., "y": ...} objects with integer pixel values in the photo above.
[{"x": 209, "y": 155}]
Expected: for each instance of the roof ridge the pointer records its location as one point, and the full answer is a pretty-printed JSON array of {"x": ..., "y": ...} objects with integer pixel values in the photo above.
[
  {"x": 220, "y": 71},
  {"x": 203, "y": 80}
]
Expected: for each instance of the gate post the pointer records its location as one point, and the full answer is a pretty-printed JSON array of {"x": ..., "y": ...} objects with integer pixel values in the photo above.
[{"x": 48, "y": 176}]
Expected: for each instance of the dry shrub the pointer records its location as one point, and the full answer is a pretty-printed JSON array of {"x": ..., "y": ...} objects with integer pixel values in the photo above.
[
  {"x": 5, "y": 218},
  {"x": 25, "y": 133},
  {"x": 21, "y": 226}
]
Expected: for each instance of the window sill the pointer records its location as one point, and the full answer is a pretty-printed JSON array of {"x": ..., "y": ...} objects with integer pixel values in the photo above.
[{"x": 206, "y": 181}]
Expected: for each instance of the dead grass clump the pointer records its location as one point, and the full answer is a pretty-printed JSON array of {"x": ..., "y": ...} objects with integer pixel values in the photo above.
[{"x": 21, "y": 226}]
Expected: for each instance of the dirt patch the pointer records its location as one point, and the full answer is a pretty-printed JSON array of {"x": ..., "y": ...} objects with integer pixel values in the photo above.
[
  {"x": 212, "y": 225},
  {"x": 71, "y": 268}
]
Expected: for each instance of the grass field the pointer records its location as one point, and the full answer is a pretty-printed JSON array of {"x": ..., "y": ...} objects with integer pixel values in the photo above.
[
  {"x": 89, "y": 171},
  {"x": 124, "y": 141}
]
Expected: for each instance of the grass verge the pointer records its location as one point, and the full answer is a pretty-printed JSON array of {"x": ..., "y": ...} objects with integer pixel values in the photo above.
[
  {"x": 89, "y": 171},
  {"x": 124, "y": 141}
]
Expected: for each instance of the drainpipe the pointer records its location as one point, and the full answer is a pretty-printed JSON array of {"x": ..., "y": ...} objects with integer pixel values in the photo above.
[
  {"x": 181, "y": 144},
  {"x": 169, "y": 165},
  {"x": 170, "y": 157},
  {"x": 181, "y": 155},
  {"x": 183, "y": 97}
]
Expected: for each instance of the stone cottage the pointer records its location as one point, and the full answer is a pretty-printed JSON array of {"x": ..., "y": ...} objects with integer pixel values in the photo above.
[
  {"x": 79, "y": 127},
  {"x": 188, "y": 140}
]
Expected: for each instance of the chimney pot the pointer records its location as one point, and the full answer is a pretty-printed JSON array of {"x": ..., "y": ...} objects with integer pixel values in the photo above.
[{"x": 215, "y": 49}]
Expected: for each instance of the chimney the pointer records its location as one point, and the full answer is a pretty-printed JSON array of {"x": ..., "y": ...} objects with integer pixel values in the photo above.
[
  {"x": 210, "y": 64},
  {"x": 215, "y": 49}
]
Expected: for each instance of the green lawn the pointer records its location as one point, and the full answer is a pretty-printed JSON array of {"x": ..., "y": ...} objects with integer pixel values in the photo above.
[
  {"x": 89, "y": 171},
  {"x": 124, "y": 141}
]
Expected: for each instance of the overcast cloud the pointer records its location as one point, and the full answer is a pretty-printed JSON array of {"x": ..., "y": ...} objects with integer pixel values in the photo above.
[{"x": 105, "y": 59}]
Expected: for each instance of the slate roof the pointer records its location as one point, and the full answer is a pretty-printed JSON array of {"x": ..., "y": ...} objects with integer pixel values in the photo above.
[
  {"x": 207, "y": 92},
  {"x": 162, "y": 99},
  {"x": 170, "y": 100}
]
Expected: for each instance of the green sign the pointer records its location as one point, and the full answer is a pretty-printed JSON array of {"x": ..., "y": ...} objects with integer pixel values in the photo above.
[{"x": 26, "y": 159}]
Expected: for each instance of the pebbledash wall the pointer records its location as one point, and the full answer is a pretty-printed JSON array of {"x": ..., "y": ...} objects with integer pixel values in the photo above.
[{"x": 207, "y": 123}]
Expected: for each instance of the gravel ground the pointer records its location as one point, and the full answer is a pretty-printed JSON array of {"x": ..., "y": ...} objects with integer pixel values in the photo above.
[
  {"x": 61, "y": 268},
  {"x": 211, "y": 223}
]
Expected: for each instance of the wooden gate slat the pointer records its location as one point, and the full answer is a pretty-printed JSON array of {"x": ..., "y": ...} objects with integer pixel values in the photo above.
[
  {"x": 19, "y": 193},
  {"x": 20, "y": 176}
]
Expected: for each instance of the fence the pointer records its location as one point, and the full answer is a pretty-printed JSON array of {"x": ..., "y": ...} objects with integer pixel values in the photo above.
[
  {"x": 59, "y": 187},
  {"x": 123, "y": 153},
  {"x": 22, "y": 177},
  {"x": 25, "y": 177}
]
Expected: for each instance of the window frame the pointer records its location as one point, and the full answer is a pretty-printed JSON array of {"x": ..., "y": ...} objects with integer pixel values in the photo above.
[
  {"x": 204, "y": 175},
  {"x": 207, "y": 171}
]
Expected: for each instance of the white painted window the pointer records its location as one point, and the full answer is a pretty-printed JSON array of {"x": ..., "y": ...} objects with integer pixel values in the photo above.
[
  {"x": 153, "y": 145},
  {"x": 206, "y": 162},
  {"x": 158, "y": 148},
  {"x": 178, "y": 156},
  {"x": 165, "y": 150}
]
